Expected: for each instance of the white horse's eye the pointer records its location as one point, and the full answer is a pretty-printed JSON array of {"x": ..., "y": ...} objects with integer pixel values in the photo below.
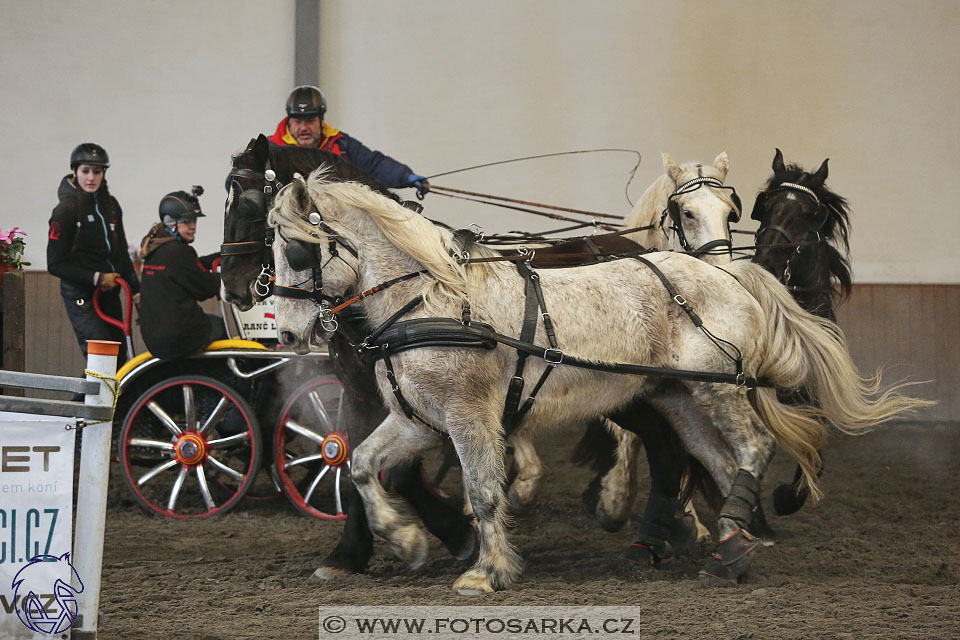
[{"x": 688, "y": 214}]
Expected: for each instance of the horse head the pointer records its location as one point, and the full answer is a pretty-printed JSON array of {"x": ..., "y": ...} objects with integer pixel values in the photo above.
[
  {"x": 689, "y": 209},
  {"x": 315, "y": 266},
  {"x": 245, "y": 262},
  {"x": 802, "y": 237}
]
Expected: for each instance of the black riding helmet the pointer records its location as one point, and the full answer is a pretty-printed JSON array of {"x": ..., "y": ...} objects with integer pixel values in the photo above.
[
  {"x": 89, "y": 153},
  {"x": 306, "y": 101},
  {"x": 181, "y": 206}
]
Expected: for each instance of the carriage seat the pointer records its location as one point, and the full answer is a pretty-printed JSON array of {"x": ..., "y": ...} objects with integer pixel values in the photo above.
[{"x": 217, "y": 345}]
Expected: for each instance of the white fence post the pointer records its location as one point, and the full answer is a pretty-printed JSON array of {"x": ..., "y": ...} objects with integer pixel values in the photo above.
[{"x": 92, "y": 492}]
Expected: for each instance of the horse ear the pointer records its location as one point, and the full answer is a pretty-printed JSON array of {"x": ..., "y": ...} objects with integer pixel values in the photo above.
[
  {"x": 300, "y": 194},
  {"x": 722, "y": 164},
  {"x": 261, "y": 149},
  {"x": 778, "y": 167},
  {"x": 671, "y": 168},
  {"x": 821, "y": 175}
]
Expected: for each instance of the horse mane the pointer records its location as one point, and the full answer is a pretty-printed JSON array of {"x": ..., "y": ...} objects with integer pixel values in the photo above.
[
  {"x": 408, "y": 231},
  {"x": 835, "y": 230}
]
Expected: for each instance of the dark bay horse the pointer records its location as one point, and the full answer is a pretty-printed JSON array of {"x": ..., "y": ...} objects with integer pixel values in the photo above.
[
  {"x": 803, "y": 241},
  {"x": 246, "y": 266}
]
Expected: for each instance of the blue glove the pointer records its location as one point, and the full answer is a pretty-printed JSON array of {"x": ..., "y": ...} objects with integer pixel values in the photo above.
[{"x": 420, "y": 184}]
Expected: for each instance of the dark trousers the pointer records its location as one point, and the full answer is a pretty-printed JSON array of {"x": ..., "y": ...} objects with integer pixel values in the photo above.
[{"x": 87, "y": 325}]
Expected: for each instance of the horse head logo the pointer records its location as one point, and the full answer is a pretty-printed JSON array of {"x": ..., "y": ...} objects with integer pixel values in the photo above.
[{"x": 33, "y": 580}]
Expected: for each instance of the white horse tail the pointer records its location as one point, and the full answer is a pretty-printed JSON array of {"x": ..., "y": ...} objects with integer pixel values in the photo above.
[{"x": 804, "y": 351}]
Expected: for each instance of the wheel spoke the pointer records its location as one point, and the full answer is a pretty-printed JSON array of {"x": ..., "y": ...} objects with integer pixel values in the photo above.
[
  {"x": 229, "y": 441},
  {"x": 336, "y": 492},
  {"x": 145, "y": 478},
  {"x": 301, "y": 430},
  {"x": 217, "y": 414},
  {"x": 162, "y": 415},
  {"x": 320, "y": 410},
  {"x": 151, "y": 444},
  {"x": 175, "y": 491},
  {"x": 236, "y": 475},
  {"x": 189, "y": 407},
  {"x": 313, "y": 485},
  {"x": 204, "y": 489},
  {"x": 339, "y": 407},
  {"x": 304, "y": 460}
]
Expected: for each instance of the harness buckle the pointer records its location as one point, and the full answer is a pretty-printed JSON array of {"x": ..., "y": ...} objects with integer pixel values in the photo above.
[
  {"x": 328, "y": 321},
  {"x": 680, "y": 300},
  {"x": 553, "y": 356},
  {"x": 740, "y": 379}
]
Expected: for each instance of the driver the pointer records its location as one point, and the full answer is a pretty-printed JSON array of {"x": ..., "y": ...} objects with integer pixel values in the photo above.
[
  {"x": 304, "y": 126},
  {"x": 175, "y": 280}
]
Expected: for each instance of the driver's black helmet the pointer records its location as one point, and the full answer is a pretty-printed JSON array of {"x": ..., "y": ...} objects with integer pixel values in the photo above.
[
  {"x": 306, "y": 101},
  {"x": 180, "y": 205},
  {"x": 89, "y": 153}
]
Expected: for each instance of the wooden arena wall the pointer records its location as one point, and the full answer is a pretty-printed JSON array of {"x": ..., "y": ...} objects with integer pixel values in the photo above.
[{"x": 906, "y": 329}]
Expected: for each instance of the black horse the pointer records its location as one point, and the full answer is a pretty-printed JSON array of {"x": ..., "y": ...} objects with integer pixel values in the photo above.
[
  {"x": 245, "y": 268},
  {"x": 803, "y": 240}
]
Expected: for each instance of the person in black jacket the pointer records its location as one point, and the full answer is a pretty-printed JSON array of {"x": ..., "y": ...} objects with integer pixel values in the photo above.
[
  {"x": 172, "y": 322},
  {"x": 87, "y": 247}
]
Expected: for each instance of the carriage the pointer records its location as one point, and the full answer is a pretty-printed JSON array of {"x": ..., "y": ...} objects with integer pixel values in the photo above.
[{"x": 239, "y": 419}]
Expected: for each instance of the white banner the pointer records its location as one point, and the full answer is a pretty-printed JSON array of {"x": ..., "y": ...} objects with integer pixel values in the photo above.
[
  {"x": 259, "y": 322},
  {"x": 38, "y": 584}
]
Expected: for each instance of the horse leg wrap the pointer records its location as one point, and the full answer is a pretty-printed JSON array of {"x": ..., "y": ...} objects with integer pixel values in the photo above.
[
  {"x": 735, "y": 552},
  {"x": 742, "y": 500},
  {"x": 664, "y": 530}
]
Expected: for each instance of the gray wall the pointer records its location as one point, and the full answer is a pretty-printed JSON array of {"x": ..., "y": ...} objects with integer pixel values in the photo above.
[
  {"x": 170, "y": 88},
  {"x": 872, "y": 85}
]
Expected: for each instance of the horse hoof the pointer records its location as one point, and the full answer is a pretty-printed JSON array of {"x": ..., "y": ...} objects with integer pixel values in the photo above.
[
  {"x": 683, "y": 535},
  {"x": 730, "y": 563},
  {"x": 472, "y": 583},
  {"x": 709, "y": 581},
  {"x": 410, "y": 544},
  {"x": 641, "y": 555},
  {"x": 325, "y": 574},
  {"x": 607, "y": 523}
]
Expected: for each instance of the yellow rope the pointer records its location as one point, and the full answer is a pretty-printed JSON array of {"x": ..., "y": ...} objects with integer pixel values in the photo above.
[{"x": 114, "y": 389}]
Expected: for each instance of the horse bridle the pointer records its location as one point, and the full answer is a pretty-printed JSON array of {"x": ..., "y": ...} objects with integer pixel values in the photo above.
[
  {"x": 796, "y": 244},
  {"x": 301, "y": 256},
  {"x": 257, "y": 202},
  {"x": 675, "y": 214}
]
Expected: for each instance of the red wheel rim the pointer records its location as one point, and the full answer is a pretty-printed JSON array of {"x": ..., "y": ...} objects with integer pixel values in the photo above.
[
  {"x": 197, "y": 472},
  {"x": 311, "y": 451}
]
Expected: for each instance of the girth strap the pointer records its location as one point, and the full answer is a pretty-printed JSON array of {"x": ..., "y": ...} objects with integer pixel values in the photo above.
[{"x": 528, "y": 332}]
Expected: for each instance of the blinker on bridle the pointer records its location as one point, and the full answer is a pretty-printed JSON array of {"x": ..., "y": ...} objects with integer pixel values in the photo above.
[
  {"x": 301, "y": 256},
  {"x": 249, "y": 206}
]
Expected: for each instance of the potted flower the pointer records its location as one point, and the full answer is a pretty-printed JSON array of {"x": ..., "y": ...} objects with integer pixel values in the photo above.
[{"x": 11, "y": 249}]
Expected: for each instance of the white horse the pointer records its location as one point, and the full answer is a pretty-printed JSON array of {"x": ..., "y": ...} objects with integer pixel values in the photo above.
[
  {"x": 687, "y": 209},
  {"x": 613, "y": 312},
  {"x": 699, "y": 225}
]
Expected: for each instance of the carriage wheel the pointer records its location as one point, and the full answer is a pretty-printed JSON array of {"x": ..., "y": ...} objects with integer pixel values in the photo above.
[
  {"x": 312, "y": 450},
  {"x": 189, "y": 447}
]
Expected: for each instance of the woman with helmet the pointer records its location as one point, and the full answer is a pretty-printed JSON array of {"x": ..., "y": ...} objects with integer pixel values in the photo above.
[
  {"x": 87, "y": 247},
  {"x": 175, "y": 280},
  {"x": 304, "y": 126}
]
